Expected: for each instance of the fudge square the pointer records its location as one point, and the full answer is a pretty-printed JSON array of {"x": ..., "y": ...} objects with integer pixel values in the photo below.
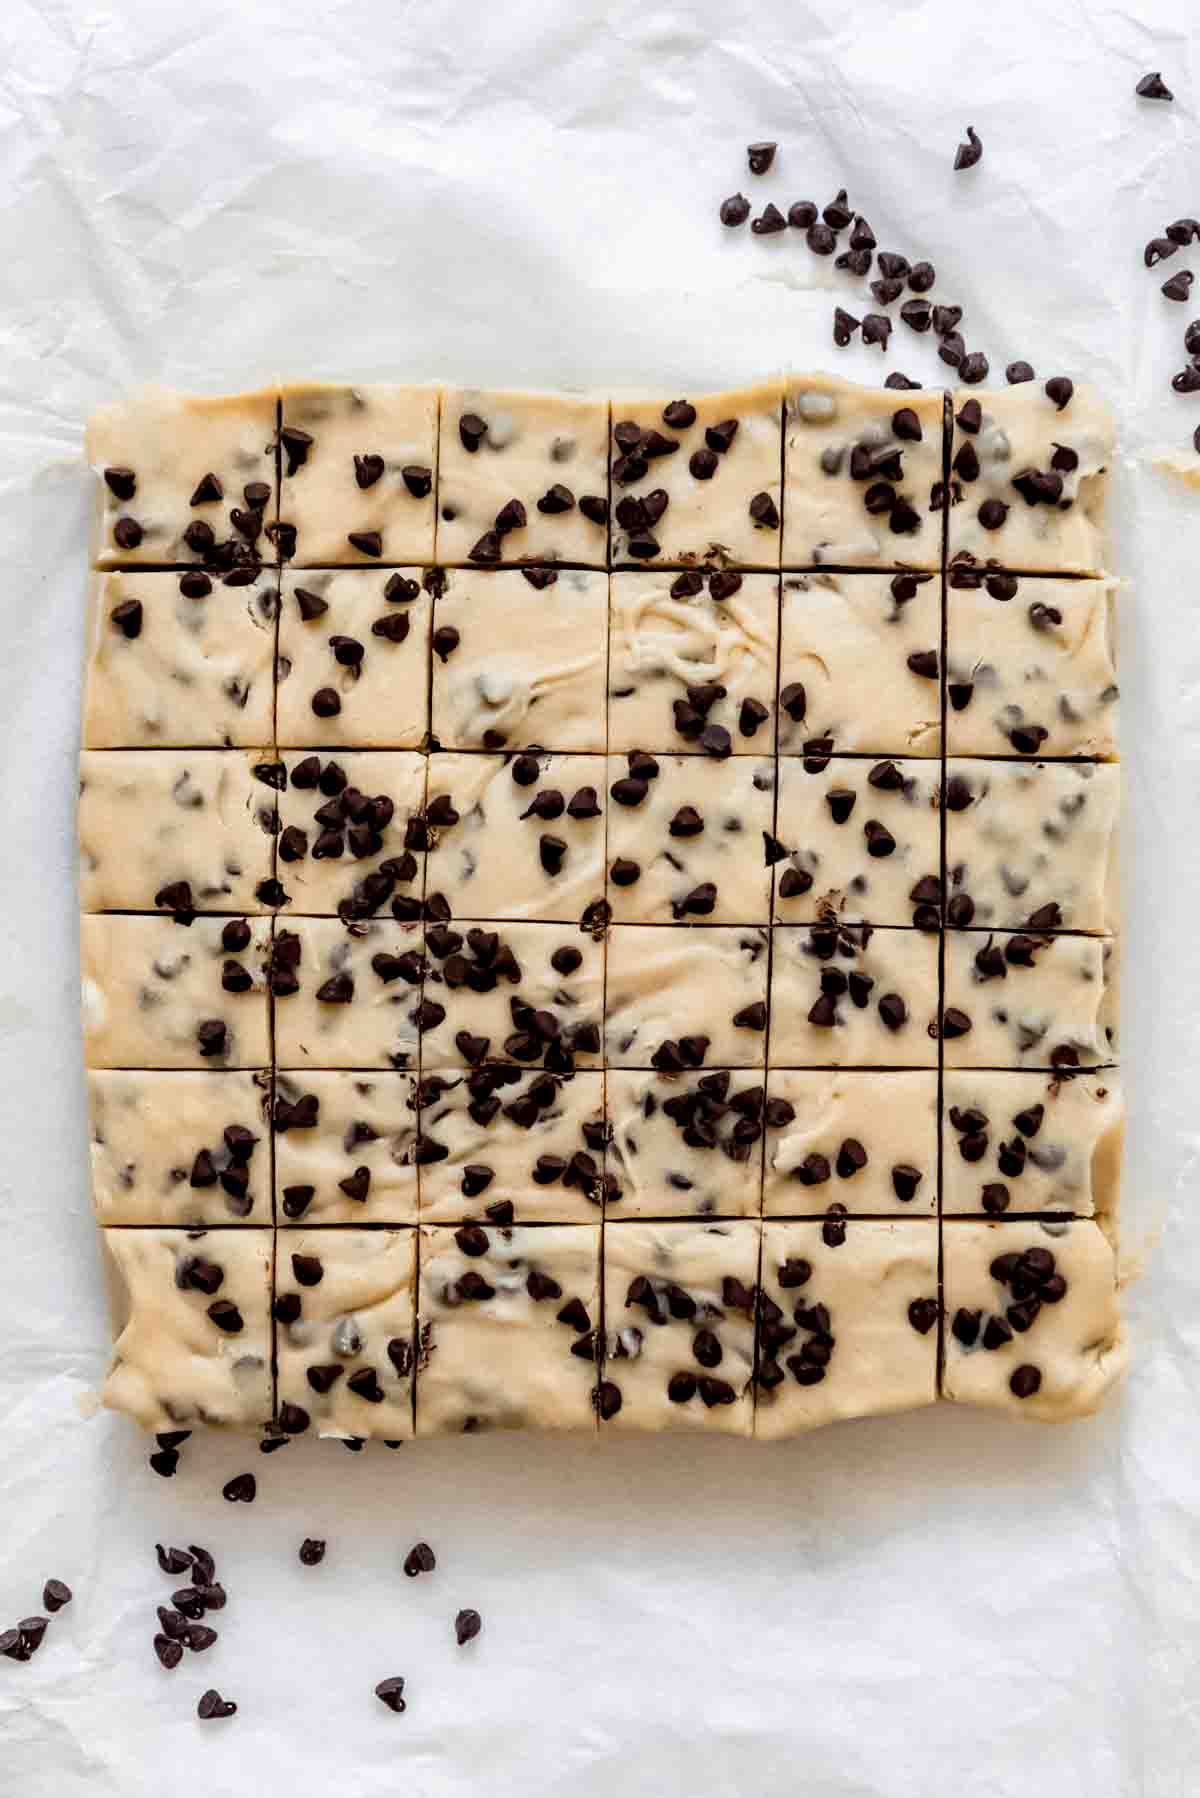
[
  {"x": 1019, "y": 1000},
  {"x": 345, "y": 1147},
  {"x": 508, "y": 1328},
  {"x": 346, "y": 995},
  {"x": 679, "y": 1301},
  {"x": 358, "y": 474},
  {"x": 1031, "y": 1143},
  {"x": 859, "y": 664},
  {"x": 690, "y": 840},
  {"x": 848, "y": 1318},
  {"x": 684, "y": 1145},
  {"x": 863, "y": 483},
  {"x": 192, "y": 1327},
  {"x": 351, "y": 833},
  {"x": 181, "y": 830},
  {"x": 678, "y": 999},
  {"x": 157, "y": 994},
  {"x": 184, "y": 478},
  {"x": 528, "y": 993},
  {"x": 180, "y": 660},
  {"x": 522, "y": 478},
  {"x": 189, "y": 1149},
  {"x": 1033, "y": 1324},
  {"x": 354, "y": 658},
  {"x": 850, "y": 1142},
  {"x": 344, "y": 1318},
  {"x": 860, "y": 837},
  {"x": 848, "y": 995},
  {"x": 698, "y": 481}
]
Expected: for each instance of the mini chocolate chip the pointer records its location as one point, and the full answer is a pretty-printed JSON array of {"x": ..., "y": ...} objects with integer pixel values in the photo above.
[
  {"x": 1153, "y": 87},
  {"x": 973, "y": 368},
  {"x": 844, "y": 326},
  {"x": 1059, "y": 389},
  {"x": 242, "y": 1489},
  {"x": 769, "y": 222},
  {"x": 1026, "y": 1379},
  {"x": 821, "y": 239},
  {"x": 735, "y": 210},
  {"x": 391, "y": 1691},
  {"x": 802, "y": 214},
  {"x": 311, "y": 1551}
]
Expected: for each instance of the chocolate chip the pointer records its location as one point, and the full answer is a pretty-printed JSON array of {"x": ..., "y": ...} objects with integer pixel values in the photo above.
[
  {"x": 802, "y": 214},
  {"x": 467, "y": 1625},
  {"x": 968, "y": 154},
  {"x": 121, "y": 482},
  {"x": 311, "y": 1551},
  {"x": 887, "y": 290},
  {"x": 445, "y": 641},
  {"x": 923, "y": 1314},
  {"x": 973, "y": 368},
  {"x": 127, "y": 533},
  {"x": 821, "y": 239},
  {"x": 1059, "y": 389},
  {"x": 992, "y": 514},
  {"x": 308, "y": 1269},
  {"x": 876, "y": 328},
  {"x": 1026, "y": 1379},
  {"x": 1179, "y": 286},
  {"x": 917, "y": 314},
  {"x": 735, "y": 210},
  {"x": 844, "y": 326},
  {"x": 242, "y": 1489},
  {"x": 127, "y": 616},
  {"x": 893, "y": 1011},
  {"x": 1153, "y": 87},
  {"x": 769, "y": 222},
  {"x": 419, "y": 1559}
]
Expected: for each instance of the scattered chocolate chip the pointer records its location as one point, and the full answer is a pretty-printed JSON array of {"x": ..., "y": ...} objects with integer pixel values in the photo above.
[
  {"x": 1179, "y": 286},
  {"x": 735, "y": 210},
  {"x": 242, "y": 1489},
  {"x": 769, "y": 222},
  {"x": 212, "y": 1705},
  {"x": 968, "y": 154},
  {"x": 1153, "y": 87},
  {"x": 311, "y": 1551},
  {"x": 467, "y": 1625}
]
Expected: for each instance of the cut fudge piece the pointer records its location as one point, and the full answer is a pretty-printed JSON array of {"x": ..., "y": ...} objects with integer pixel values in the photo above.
[
  {"x": 188, "y": 1149},
  {"x": 346, "y": 996},
  {"x": 847, "y": 995},
  {"x": 692, "y": 662},
  {"x": 180, "y": 660},
  {"x": 354, "y": 658},
  {"x": 158, "y": 995},
  {"x": 685, "y": 1145},
  {"x": 679, "y": 1326},
  {"x": 532, "y": 993},
  {"x": 345, "y": 1148},
  {"x": 862, "y": 476},
  {"x": 191, "y": 1326},
  {"x": 1033, "y": 1323},
  {"x": 351, "y": 834},
  {"x": 522, "y": 478},
  {"x": 518, "y": 659},
  {"x": 1032, "y": 845},
  {"x": 1031, "y": 1142},
  {"x": 504, "y": 1144},
  {"x": 1028, "y": 478},
  {"x": 358, "y": 466},
  {"x": 517, "y": 836},
  {"x": 677, "y": 999},
  {"x": 184, "y": 478},
  {"x": 1030, "y": 666},
  {"x": 864, "y": 1143},
  {"x": 344, "y": 1325},
  {"x": 184, "y": 830},
  {"x": 698, "y": 480},
  {"x": 860, "y": 656},
  {"x": 1019, "y": 1000},
  {"x": 508, "y": 1328},
  {"x": 690, "y": 840},
  {"x": 859, "y": 838},
  {"x": 847, "y": 1322}
]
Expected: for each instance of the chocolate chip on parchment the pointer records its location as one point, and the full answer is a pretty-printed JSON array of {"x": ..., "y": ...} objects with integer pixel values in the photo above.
[
  {"x": 242, "y": 1489},
  {"x": 1153, "y": 87},
  {"x": 973, "y": 368},
  {"x": 844, "y": 326},
  {"x": 311, "y": 1551},
  {"x": 419, "y": 1559},
  {"x": 735, "y": 210},
  {"x": 876, "y": 328},
  {"x": 1059, "y": 388},
  {"x": 802, "y": 214},
  {"x": 769, "y": 221},
  {"x": 211, "y": 1705},
  {"x": 1179, "y": 286},
  {"x": 969, "y": 153}
]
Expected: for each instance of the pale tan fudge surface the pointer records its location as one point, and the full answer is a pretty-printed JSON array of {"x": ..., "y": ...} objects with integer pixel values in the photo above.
[
  {"x": 1031, "y": 1001},
  {"x": 329, "y": 693},
  {"x": 197, "y": 673},
  {"x": 322, "y": 497},
  {"x": 1033, "y": 842},
  {"x": 501, "y": 1141},
  {"x": 864, "y": 1141},
  {"x": 826, "y": 519},
  {"x": 1034, "y": 674},
  {"x": 707, "y": 519},
  {"x": 544, "y": 450},
  {"x": 668, "y": 984},
  {"x": 524, "y": 665},
  {"x": 149, "y": 819},
  {"x": 1021, "y": 430},
  {"x": 684, "y": 1145},
  {"x": 346, "y": 821},
  {"x": 1077, "y": 1344},
  {"x": 152, "y": 987},
  {"x": 170, "y": 442},
  {"x": 823, "y": 1012},
  {"x": 862, "y": 837},
  {"x": 482, "y": 981},
  {"x": 1032, "y": 1142},
  {"x": 526, "y": 838},
  {"x": 495, "y": 1350},
  {"x": 359, "y": 990},
  {"x": 160, "y": 1153},
  {"x": 679, "y": 1306},
  {"x": 353, "y": 1335},
  {"x": 175, "y": 1363},
  {"x": 665, "y": 639},
  {"x": 872, "y": 1349},
  {"x": 845, "y": 643},
  {"x": 345, "y": 1148},
  {"x": 695, "y": 846}
]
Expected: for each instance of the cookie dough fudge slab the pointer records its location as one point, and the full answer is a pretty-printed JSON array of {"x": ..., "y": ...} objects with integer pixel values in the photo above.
[
  {"x": 353, "y": 668},
  {"x": 508, "y": 1322},
  {"x": 157, "y": 994},
  {"x": 863, "y": 476},
  {"x": 860, "y": 838},
  {"x": 525, "y": 993},
  {"x": 185, "y": 478},
  {"x": 689, "y": 840},
  {"x": 685, "y": 1145},
  {"x": 522, "y": 478},
  {"x": 191, "y": 1325},
  {"x": 1033, "y": 1322},
  {"x": 863, "y": 1143},
  {"x": 847, "y": 1325},
  {"x": 344, "y": 1313},
  {"x": 1014, "y": 1143},
  {"x": 1024, "y": 1000},
  {"x": 848, "y": 995},
  {"x": 1029, "y": 478},
  {"x": 679, "y": 1301},
  {"x": 697, "y": 481},
  {"x": 345, "y": 1148},
  {"x": 686, "y": 999},
  {"x": 351, "y": 834},
  {"x": 185, "y": 1149},
  {"x": 359, "y": 469},
  {"x": 346, "y": 995}
]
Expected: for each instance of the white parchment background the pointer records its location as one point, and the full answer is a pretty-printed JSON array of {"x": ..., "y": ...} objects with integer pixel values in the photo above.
[{"x": 212, "y": 193}]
